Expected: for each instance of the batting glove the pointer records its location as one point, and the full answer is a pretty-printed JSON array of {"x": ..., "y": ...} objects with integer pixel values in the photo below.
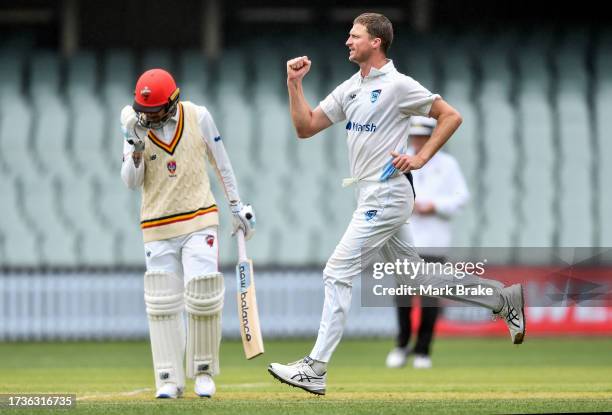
[
  {"x": 243, "y": 218},
  {"x": 133, "y": 132}
]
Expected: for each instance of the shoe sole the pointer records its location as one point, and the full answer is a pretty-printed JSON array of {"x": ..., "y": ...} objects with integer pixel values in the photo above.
[
  {"x": 518, "y": 339},
  {"x": 286, "y": 382}
]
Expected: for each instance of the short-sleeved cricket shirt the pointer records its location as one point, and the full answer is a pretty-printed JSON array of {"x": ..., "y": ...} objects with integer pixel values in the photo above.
[{"x": 377, "y": 110}]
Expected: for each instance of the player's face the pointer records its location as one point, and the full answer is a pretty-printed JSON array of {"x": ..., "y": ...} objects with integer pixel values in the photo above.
[
  {"x": 418, "y": 141},
  {"x": 155, "y": 117},
  {"x": 359, "y": 44}
]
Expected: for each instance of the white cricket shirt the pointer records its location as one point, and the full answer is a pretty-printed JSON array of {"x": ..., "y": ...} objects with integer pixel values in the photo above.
[{"x": 377, "y": 110}]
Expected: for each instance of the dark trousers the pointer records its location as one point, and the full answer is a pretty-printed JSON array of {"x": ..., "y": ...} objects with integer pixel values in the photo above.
[{"x": 430, "y": 308}]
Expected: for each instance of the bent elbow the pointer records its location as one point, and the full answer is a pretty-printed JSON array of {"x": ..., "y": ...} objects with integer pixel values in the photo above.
[
  {"x": 458, "y": 119},
  {"x": 303, "y": 133}
]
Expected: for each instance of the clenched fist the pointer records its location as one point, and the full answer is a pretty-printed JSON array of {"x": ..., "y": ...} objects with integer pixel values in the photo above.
[{"x": 297, "y": 68}]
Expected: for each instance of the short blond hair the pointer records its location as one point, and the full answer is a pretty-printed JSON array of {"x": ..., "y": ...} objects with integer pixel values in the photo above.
[{"x": 378, "y": 26}]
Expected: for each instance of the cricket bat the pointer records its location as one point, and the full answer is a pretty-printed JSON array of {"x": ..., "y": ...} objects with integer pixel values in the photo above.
[{"x": 248, "y": 315}]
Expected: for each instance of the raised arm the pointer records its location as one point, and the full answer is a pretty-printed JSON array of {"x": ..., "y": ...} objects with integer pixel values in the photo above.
[{"x": 307, "y": 122}]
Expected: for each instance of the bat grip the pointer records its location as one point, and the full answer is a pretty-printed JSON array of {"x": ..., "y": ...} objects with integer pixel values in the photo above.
[{"x": 242, "y": 255}]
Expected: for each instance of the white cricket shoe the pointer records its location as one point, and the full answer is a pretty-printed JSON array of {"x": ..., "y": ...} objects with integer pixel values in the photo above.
[
  {"x": 421, "y": 361},
  {"x": 299, "y": 374},
  {"x": 169, "y": 391},
  {"x": 397, "y": 357},
  {"x": 205, "y": 386},
  {"x": 513, "y": 312}
]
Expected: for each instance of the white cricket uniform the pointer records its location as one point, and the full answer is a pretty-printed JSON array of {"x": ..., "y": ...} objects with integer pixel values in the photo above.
[
  {"x": 196, "y": 253},
  {"x": 440, "y": 182},
  {"x": 377, "y": 110}
]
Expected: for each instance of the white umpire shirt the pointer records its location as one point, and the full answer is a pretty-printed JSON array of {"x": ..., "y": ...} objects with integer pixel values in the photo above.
[
  {"x": 377, "y": 108},
  {"x": 133, "y": 176},
  {"x": 440, "y": 182}
]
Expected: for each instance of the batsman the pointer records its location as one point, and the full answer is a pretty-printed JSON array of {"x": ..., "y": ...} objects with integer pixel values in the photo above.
[{"x": 168, "y": 144}]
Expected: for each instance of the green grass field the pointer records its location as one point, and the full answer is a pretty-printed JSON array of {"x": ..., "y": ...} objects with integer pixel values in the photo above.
[{"x": 469, "y": 375}]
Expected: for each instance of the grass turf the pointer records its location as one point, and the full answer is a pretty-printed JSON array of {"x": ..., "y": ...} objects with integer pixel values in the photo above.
[{"x": 469, "y": 376}]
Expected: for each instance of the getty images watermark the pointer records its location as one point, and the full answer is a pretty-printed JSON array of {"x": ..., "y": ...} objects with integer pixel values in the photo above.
[
  {"x": 551, "y": 277},
  {"x": 405, "y": 269},
  {"x": 395, "y": 282}
]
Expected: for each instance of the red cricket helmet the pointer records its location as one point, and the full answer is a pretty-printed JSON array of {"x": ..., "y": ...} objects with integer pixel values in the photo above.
[{"x": 155, "y": 91}]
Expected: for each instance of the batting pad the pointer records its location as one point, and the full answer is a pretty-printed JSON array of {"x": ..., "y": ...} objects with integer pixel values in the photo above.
[
  {"x": 164, "y": 302},
  {"x": 204, "y": 303}
]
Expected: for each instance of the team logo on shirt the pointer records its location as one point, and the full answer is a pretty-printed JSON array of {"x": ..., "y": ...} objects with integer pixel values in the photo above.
[
  {"x": 171, "y": 165},
  {"x": 374, "y": 95},
  {"x": 370, "y": 214},
  {"x": 210, "y": 240}
]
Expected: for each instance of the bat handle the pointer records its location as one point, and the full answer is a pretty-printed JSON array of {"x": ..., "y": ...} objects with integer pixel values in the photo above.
[{"x": 242, "y": 255}]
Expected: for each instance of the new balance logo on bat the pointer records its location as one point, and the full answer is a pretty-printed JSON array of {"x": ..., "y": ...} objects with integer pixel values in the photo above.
[{"x": 244, "y": 308}]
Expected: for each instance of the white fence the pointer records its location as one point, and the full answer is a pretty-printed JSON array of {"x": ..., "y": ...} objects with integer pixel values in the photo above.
[{"x": 111, "y": 306}]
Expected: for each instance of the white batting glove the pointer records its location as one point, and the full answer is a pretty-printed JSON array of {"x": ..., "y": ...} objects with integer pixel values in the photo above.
[
  {"x": 133, "y": 132},
  {"x": 243, "y": 218}
]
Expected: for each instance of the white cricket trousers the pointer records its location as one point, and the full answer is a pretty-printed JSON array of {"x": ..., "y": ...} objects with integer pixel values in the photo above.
[
  {"x": 379, "y": 226},
  {"x": 186, "y": 256}
]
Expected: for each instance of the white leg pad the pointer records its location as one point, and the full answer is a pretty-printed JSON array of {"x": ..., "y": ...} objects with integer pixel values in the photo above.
[
  {"x": 165, "y": 305},
  {"x": 204, "y": 304}
]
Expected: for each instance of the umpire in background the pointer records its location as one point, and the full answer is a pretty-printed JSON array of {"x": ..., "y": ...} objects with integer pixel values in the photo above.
[{"x": 440, "y": 193}]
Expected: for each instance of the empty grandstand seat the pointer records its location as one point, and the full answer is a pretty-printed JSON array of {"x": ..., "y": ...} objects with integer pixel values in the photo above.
[
  {"x": 41, "y": 198},
  {"x": 194, "y": 78},
  {"x": 537, "y": 173},
  {"x": 119, "y": 208},
  {"x": 576, "y": 160},
  {"x": 16, "y": 153},
  {"x": 119, "y": 80},
  {"x": 82, "y": 75},
  {"x": 603, "y": 108},
  {"x": 95, "y": 241},
  {"x": 18, "y": 242}
]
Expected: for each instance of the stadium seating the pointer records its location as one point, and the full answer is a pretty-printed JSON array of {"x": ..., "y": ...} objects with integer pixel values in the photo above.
[
  {"x": 533, "y": 145},
  {"x": 537, "y": 152},
  {"x": 603, "y": 105}
]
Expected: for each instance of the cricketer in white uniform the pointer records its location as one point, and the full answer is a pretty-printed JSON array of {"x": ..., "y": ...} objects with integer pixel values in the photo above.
[
  {"x": 375, "y": 106},
  {"x": 168, "y": 143}
]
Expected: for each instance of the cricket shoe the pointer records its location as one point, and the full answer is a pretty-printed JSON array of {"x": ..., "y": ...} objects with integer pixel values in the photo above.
[
  {"x": 513, "y": 312},
  {"x": 300, "y": 374},
  {"x": 204, "y": 386},
  {"x": 397, "y": 357},
  {"x": 169, "y": 391},
  {"x": 421, "y": 361}
]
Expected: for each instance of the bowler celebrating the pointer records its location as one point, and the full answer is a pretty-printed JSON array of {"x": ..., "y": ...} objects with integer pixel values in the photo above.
[{"x": 376, "y": 104}]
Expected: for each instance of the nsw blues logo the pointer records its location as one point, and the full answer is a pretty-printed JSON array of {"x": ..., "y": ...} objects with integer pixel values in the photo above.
[
  {"x": 370, "y": 214},
  {"x": 374, "y": 95}
]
